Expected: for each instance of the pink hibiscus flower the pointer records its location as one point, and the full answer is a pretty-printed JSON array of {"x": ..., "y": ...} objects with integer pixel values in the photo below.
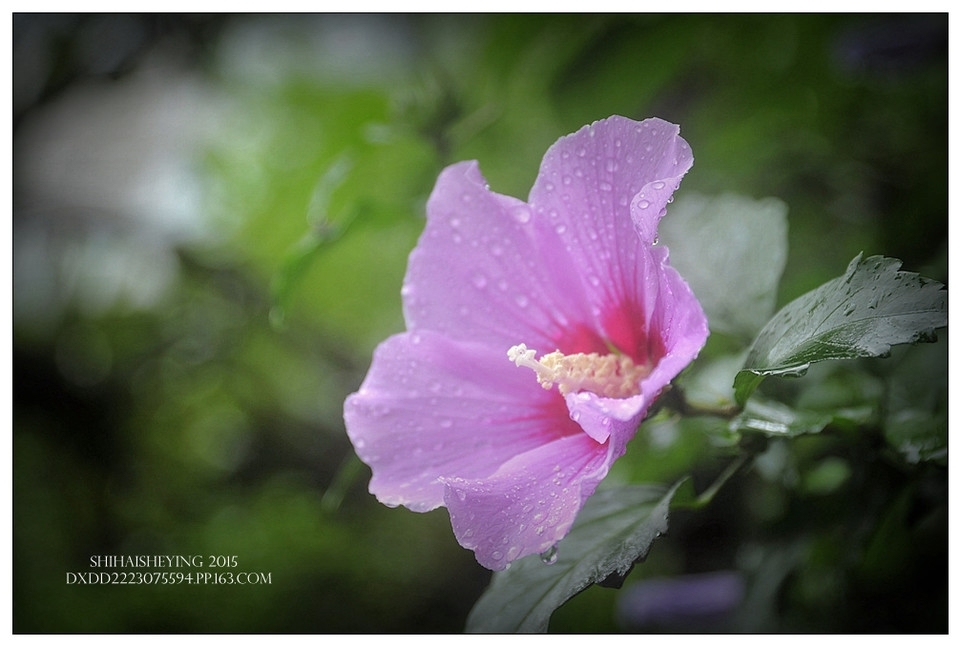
[{"x": 458, "y": 411}]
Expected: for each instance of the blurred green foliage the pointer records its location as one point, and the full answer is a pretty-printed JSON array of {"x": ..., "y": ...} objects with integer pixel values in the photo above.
[{"x": 210, "y": 421}]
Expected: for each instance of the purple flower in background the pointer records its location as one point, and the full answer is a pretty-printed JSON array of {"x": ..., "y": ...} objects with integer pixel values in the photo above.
[{"x": 458, "y": 411}]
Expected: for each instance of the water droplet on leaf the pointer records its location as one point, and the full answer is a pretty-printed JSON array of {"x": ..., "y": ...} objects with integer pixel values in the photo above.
[{"x": 550, "y": 556}]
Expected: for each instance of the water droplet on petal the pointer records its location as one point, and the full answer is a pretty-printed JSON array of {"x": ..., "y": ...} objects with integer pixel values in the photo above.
[
  {"x": 567, "y": 180},
  {"x": 521, "y": 214},
  {"x": 479, "y": 281},
  {"x": 497, "y": 555},
  {"x": 606, "y": 186},
  {"x": 658, "y": 185},
  {"x": 643, "y": 204},
  {"x": 522, "y": 300},
  {"x": 561, "y": 228},
  {"x": 550, "y": 556}
]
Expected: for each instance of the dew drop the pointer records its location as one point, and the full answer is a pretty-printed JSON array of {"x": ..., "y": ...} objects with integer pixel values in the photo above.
[
  {"x": 521, "y": 214},
  {"x": 658, "y": 185},
  {"x": 582, "y": 152},
  {"x": 548, "y": 186},
  {"x": 461, "y": 494},
  {"x": 643, "y": 204},
  {"x": 606, "y": 186},
  {"x": 522, "y": 300},
  {"x": 567, "y": 180},
  {"x": 561, "y": 228},
  {"x": 479, "y": 281},
  {"x": 497, "y": 555},
  {"x": 550, "y": 556},
  {"x": 612, "y": 166}
]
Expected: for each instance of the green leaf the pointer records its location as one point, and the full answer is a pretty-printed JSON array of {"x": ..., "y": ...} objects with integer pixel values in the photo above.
[
  {"x": 731, "y": 250},
  {"x": 860, "y": 314},
  {"x": 615, "y": 528},
  {"x": 777, "y": 420}
]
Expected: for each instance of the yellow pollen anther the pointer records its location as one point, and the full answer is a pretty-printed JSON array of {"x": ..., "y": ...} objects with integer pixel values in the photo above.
[{"x": 609, "y": 375}]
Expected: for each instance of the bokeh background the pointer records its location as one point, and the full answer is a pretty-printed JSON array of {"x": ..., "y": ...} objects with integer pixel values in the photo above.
[{"x": 211, "y": 219}]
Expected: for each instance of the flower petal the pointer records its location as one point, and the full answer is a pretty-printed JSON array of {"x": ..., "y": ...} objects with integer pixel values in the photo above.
[
  {"x": 431, "y": 407},
  {"x": 476, "y": 274},
  {"x": 680, "y": 325},
  {"x": 676, "y": 332},
  {"x": 529, "y": 504},
  {"x": 603, "y": 189}
]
